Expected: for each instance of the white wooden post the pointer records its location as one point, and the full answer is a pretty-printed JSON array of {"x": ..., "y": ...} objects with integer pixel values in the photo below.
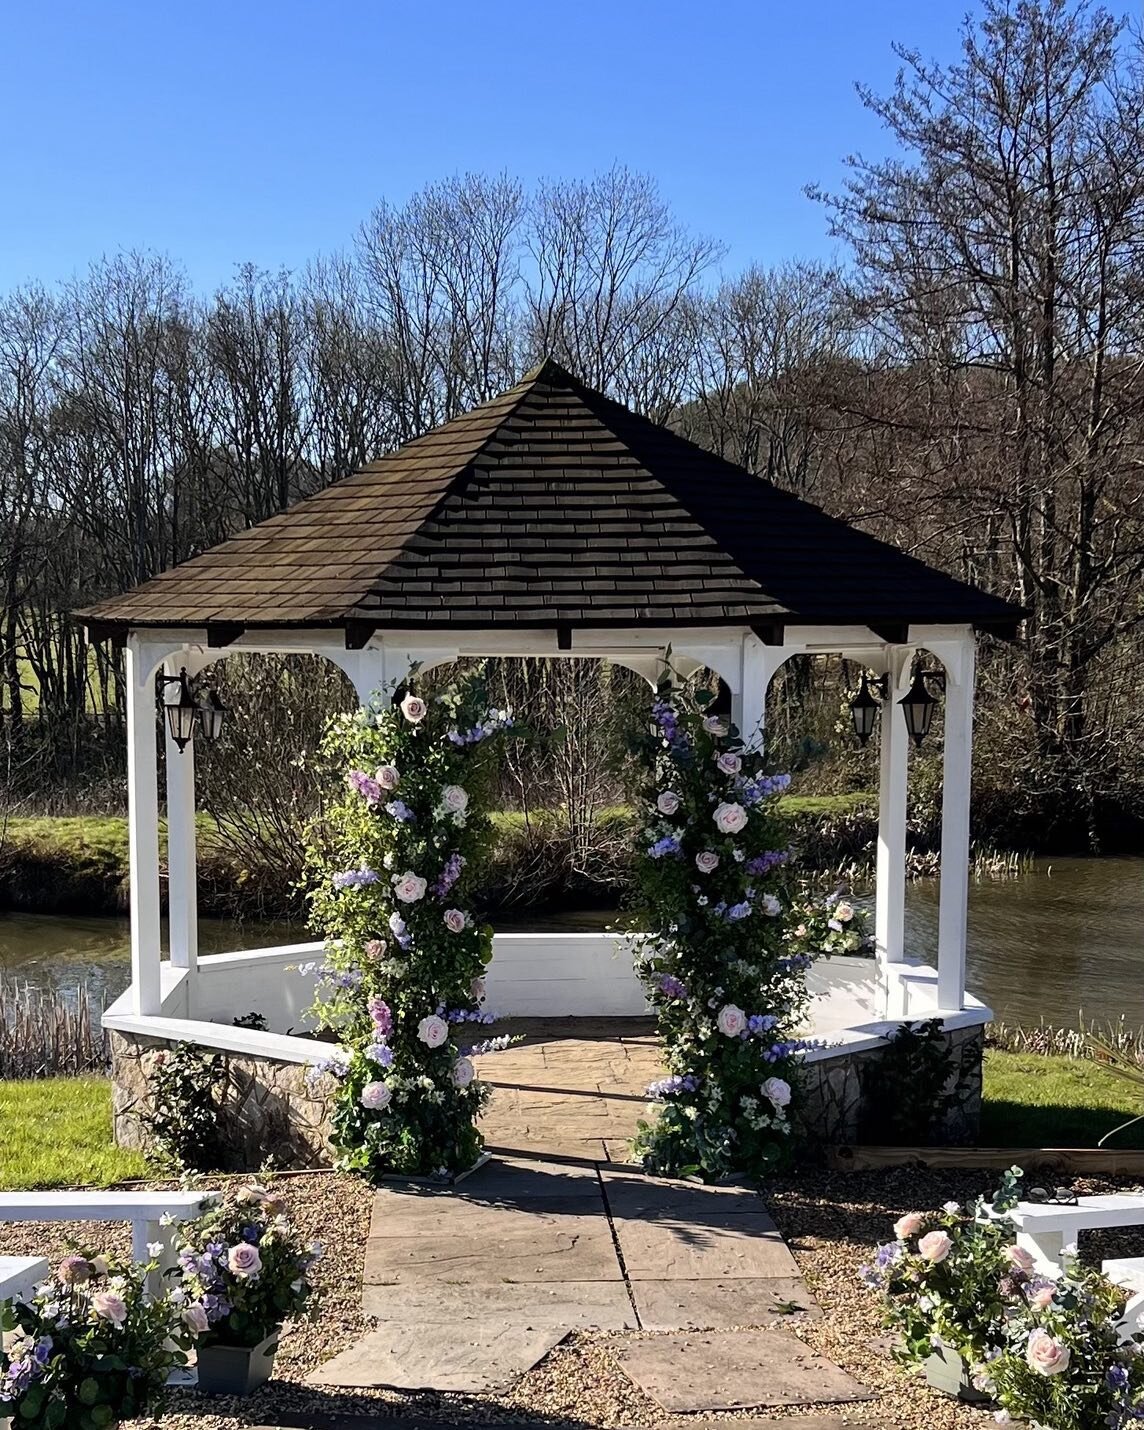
[
  {"x": 890, "y": 879},
  {"x": 956, "y": 775},
  {"x": 182, "y": 863},
  {"x": 143, "y": 828},
  {"x": 749, "y": 704}
]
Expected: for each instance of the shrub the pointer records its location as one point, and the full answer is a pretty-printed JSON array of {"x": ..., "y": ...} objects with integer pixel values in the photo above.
[{"x": 183, "y": 1117}]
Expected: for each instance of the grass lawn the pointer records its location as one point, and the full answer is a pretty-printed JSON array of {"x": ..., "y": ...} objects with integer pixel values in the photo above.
[
  {"x": 56, "y": 1132},
  {"x": 1035, "y": 1101}
]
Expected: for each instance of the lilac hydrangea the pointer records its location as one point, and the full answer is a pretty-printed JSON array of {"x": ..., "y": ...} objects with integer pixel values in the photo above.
[
  {"x": 355, "y": 878},
  {"x": 672, "y": 987},
  {"x": 400, "y": 811},
  {"x": 448, "y": 875},
  {"x": 668, "y": 1086},
  {"x": 666, "y": 848},
  {"x": 764, "y": 863},
  {"x": 365, "y": 785}
]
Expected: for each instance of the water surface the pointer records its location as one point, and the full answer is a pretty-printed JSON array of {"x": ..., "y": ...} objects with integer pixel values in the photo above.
[{"x": 1064, "y": 938}]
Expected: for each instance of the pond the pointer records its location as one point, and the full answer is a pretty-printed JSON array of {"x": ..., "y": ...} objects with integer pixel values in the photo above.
[{"x": 1063, "y": 939}]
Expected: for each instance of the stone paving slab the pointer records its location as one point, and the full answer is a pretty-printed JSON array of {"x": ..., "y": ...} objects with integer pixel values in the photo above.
[
  {"x": 735, "y": 1370},
  {"x": 408, "y": 1355},
  {"x": 575, "y": 1305},
  {"x": 461, "y": 1215},
  {"x": 499, "y": 1244},
  {"x": 718, "y": 1305},
  {"x": 634, "y": 1196},
  {"x": 668, "y": 1249}
]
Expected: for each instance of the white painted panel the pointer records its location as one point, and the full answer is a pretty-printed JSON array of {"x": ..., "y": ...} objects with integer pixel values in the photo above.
[{"x": 568, "y": 975}]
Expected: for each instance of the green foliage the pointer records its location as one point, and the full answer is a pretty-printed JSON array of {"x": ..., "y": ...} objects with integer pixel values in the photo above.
[
  {"x": 1048, "y": 1349},
  {"x": 830, "y": 924},
  {"x": 392, "y": 868},
  {"x": 183, "y": 1116},
  {"x": 727, "y": 989},
  {"x": 91, "y": 1349},
  {"x": 905, "y": 1086},
  {"x": 56, "y": 1132},
  {"x": 243, "y": 1269}
]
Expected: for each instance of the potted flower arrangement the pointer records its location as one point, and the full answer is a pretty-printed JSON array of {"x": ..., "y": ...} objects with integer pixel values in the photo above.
[
  {"x": 970, "y": 1308},
  {"x": 89, "y": 1349},
  {"x": 243, "y": 1270}
]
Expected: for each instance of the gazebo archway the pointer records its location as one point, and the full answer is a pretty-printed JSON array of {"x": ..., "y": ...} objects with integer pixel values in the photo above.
[{"x": 552, "y": 522}]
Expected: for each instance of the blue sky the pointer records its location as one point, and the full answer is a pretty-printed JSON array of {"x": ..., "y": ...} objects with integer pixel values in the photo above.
[{"x": 265, "y": 132}]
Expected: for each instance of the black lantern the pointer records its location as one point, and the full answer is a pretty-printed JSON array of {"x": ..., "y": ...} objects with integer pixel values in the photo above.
[
  {"x": 864, "y": 711},
  {"x": 183, "y": 712},
  {"x": 212, "y": 714},
  {"x": 918, "y": 706}
]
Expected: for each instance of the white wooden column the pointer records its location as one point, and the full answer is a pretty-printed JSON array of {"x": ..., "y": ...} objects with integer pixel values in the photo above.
[
  {"x": 143, "y": 827},
  {"x": 956, "y": 777},
  {"x": 749, "y": 704},
  {"x": 182, "y": 860},
  {"x": 893, "y": 789}
]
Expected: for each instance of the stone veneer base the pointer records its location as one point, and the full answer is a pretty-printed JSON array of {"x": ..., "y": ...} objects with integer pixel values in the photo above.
[{"x": 268, "y": 1110}]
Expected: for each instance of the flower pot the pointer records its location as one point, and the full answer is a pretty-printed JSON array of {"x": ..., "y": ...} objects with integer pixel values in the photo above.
[
  {"x": 236, "y": 1370},
  {"x": 947, "y": 1371}
]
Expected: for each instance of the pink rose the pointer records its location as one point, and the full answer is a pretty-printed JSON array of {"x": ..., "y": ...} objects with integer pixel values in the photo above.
[
  {"x": 74, "y": 1271},
  {"x": 909, "y": 1225},
  {"x": 777, "y": 1092},
  {"x": 408, "y": 887},
  {"x": 463, "y": 1072},
  {"x": 110, "y": 1306},
  {"x": 414, "y": 709},
  {"x": 477, "y": 989},
  {"x": 844, "y": 912},
  {"x": 1020, "y": 1258},
  {"x": 728, "y": 763},
  {"x": 387, "y": 776},
  {"x": 195, "y": 1318},
  {"x": 376, "y": 1096},
  {"x": 374, "y": 948},
  {"x": 731, "y": 1020},
  {"x": 715, "y": 724},
  {"x": 1042, "y": 1298},
  {"x": 432, "y": 1030},
  {"x": 934, "y": 1247},
  {"x": 454, "y": 920},
  {"x": 667, "y": 802},
  {"x": 1046, "y": 1354},
  {"x": 243, "y": 1259},
  {"x": 729, "y": 818},
  {"x": 706, "y": 861}
]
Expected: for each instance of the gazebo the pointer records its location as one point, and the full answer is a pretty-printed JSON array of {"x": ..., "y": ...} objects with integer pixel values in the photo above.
[{"x": 550, "y": 521}]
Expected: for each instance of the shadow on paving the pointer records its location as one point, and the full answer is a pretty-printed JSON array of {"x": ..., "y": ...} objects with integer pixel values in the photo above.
[{"x": 462, "y": 1410}]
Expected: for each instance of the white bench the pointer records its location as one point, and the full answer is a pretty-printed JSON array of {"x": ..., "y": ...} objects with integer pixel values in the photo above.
[
  {"x": 146, "y": 1211},
  {"x": 1049, "y": 1232},
  {"x": 1128, "y": 1272},
  {"x": 19, "y": 1275}
]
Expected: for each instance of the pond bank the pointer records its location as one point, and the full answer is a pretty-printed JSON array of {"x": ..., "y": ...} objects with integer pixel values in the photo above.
[{"x": 78, "y": 864}]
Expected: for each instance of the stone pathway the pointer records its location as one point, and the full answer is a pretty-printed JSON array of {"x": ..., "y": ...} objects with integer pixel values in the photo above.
[{"x": 556, "y": 1234}]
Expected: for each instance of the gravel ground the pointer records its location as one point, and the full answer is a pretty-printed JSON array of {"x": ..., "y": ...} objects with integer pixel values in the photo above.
[{"x": 830, "y": 1220}]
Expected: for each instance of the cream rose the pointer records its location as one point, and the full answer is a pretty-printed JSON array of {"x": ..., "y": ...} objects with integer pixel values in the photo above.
[
  {"x": 454, "y": 799},
  {"x": 387, "y": 776},
  {"x": 909, "y": 1225},
  {"x": 409, "y": 887},
  {"x": 667, "y": 802},
  {"x": 195, "y": 1318},
  {"x": 935, "y": 1246},
  {"x": 432, "y": 1030},
  {"x": 771, "y": 906},
  {"x": 243, "y": 1259},
  {"x": 729, "y": 763},
  {"x": 414, "y": 709},
  {"x": 777, "y": 1091},
  {"x": 454, "y": 920},
  {"x": 706, "y": 861},
  {"x": 731, "y": 1020},
  {"x": 1042, "y": 1298},
  {"x": 729, "y": 818},
  {"x": 843, "y": 912},
  {"x": 1046, "y": 1354},
  {"x": 463, "y": 1072}
]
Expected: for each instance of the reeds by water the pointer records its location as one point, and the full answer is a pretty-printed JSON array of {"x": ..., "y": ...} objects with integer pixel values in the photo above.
[
  {"x": 1069, "y": 1042},
  {"x": 49, "y": 1032}
]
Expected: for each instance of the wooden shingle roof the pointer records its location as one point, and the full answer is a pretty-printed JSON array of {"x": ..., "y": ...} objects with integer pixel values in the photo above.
[{"x": 551, "y": 505}]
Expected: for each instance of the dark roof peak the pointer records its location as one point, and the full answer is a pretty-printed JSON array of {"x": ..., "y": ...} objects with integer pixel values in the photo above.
[{"x": 552, "y": 505}]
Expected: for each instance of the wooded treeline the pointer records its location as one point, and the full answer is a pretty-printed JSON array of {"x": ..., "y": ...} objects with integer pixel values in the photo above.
[{"x": 968, "y": 384}]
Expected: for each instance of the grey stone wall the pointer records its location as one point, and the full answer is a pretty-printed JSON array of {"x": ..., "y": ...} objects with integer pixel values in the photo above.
[
  {"x": 268, "y": 1111},
  {"x": 838, "y": 1096}
]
